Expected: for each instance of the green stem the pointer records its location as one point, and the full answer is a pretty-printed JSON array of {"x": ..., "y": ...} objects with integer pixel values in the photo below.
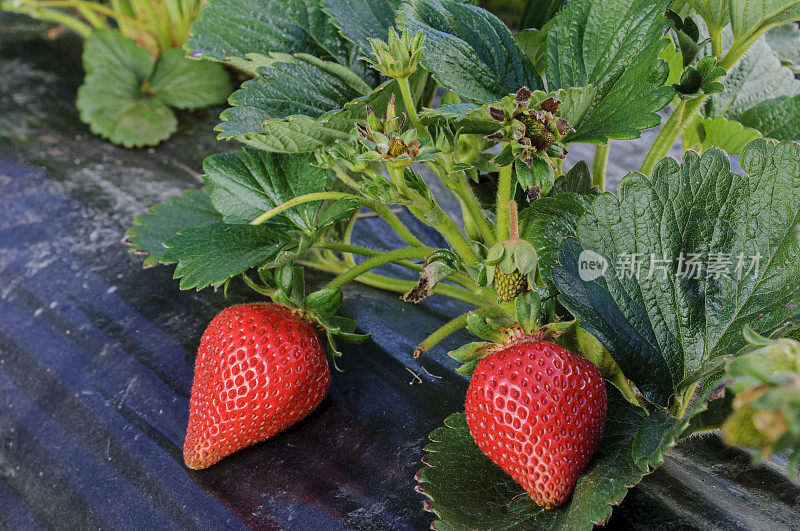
[
  {"x": 456, "y": 277},
  {"x": 400, "y": 286},
  {"x": 504, "y": 193},
  {"x": 439, "y": 219},
  {"x": 685, "y": 111},
  {"x": 599, "y": 166},
  {"x": 433, "y": 215},
  {"x": 411, "y": 109},
  {"x": 91, "y": 17},
  {"x": 687, "y": 399},
  {"x": 469, "y": 222},
  {"x": 668, "y": 134},
  {"x": 467, "y": 198},
  {"x": 716, "y": 42},
  {"x": 454, "y": 326},
  {"x": 377, "y": 261},
  {"x": 82, "y": 29},
  {"x": 351, "y": 250},
  {"x": 385, "y": 213},
  {"x": 389, "y": 217},
  {"x": 307, "y": 198}
]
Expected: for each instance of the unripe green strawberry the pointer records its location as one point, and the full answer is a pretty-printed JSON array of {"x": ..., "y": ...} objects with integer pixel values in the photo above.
[
  {"x": 509, "y": 286},
  {"x": 259, "y": 370},
  {"x": 537, "y": 411},
  {"x": 511, "y": 265},
  {"x": 537, "y": 132}
]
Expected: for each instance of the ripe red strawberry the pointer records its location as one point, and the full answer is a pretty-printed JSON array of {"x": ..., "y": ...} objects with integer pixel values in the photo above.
[
  {"x": 259, "y": 370},
  {"x": 537, "y": 411}
]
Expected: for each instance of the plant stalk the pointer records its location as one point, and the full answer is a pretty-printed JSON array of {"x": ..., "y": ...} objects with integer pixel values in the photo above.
[
  {"x": 504, "y": 193},
  {"x": 439, "y": 219},
  {"x": 599, "y": 166},
  {"x": 391, "y": 218},
  {"x": 399, "y": 286},
  {"x": 411, "y": 109},
  {"x": 453, "y": 326},
  {"x": 669, "y": 133},
  {"x": 82, "y": 29},
  {"x": 307, "y": 198},
  {"x": 455, "y": 277},
  {"x": 377, "y": 261},
  {"x": 468, "y": 199},
  {"x": 685, "y": 111}
]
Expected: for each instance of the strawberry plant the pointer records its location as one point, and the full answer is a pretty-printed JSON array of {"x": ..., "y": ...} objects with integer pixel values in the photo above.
[
  {"x": 136, "y": 72},
  {"x": 612, "y": 325}
]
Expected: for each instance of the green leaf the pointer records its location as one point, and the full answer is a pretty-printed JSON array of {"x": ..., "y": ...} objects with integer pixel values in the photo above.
[
  {"x": 688, "y": 35},
  {"x": 538, "y": 174},
  {"x": 673, "y": 57},
  {"x": 246, "y": 184},
  {"x": 756, "y": 77},
  {"x": 211, "y": 254},
  {"x": 178, "y": 212},
  {"x": 714, "y": 12},
  {"x": 186, "y": 84},
  {"x": 303, "y": 104},
  {"x": 785, "y": 41},
  {"x": 537, "y": 13},
  {"x": 663, "y": 324},
  {"x": 244, "y": 32},
  {"x": 729, "y": 135},
  {"x": 777, "y": 118},
  {"x": 614, "y": 46},
  {"x": 468, "y": 491},
  {"x": 469, "y": 50},
  {"x": 361, "y": 20},
  {"x": 125, "y": 96},
  {"x": 109, "y": 51},
  {"x": 533, "y": 43},
  {"x": 547, "y": 222},
  {"x": 299, "y": 87},
  {"x": 751, "y": 17},
  {"x": 115, "y": 108},
  {"x": 578, "y": 180}
]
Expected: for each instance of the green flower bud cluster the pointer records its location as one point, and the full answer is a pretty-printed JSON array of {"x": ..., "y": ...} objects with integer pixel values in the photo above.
[
  {"x": 532, "y": 131},
  {"x": 377, "y": 142},
  {"x": 528, "y": 128},
  {"x": 766, "y": 407},
  {"x": 399, "y": 56},
  {"x": 385, "y": 141}
]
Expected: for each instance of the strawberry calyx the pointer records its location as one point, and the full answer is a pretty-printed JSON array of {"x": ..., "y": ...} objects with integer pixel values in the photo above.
[
  {"x": 498, "y": 335},
  {"x": 531, "y": 128},
  {"x": 511, "y": 265},
  {"x": 285, "y": 285}
]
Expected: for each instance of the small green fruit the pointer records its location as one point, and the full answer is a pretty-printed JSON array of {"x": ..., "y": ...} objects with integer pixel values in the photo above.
[{"x": 509, "y": 285}]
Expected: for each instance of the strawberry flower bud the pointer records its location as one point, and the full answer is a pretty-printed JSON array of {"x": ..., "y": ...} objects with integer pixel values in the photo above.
[
  {"x": 399, "y": 56},
  {"x": 766, "y": 383},
  {"x": 387, "y": 143}
]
